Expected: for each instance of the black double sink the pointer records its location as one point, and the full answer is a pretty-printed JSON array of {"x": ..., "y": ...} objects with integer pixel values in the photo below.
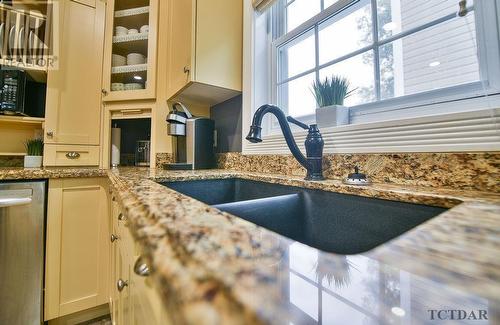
[{"x": 332, "y": 222}]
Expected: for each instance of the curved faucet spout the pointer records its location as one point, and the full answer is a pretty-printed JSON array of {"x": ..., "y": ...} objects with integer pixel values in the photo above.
[{"x": 254, "y": 135}]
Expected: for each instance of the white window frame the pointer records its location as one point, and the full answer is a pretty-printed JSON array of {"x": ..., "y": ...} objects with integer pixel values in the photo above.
[{"x": 468, "y": 101}]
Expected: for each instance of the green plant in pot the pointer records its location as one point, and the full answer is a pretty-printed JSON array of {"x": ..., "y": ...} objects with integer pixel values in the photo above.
[
  {"x": 330, "y": 94},
  {"x": 34, "y": 153}
]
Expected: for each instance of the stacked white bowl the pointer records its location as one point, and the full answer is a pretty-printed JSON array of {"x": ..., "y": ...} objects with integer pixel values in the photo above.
[
  {"x": 133, "y": 86},
  {"x": 117, "y": 86},
  {"x": 118, "y": 60},
  {"x": 120, "y": 31},
  {"x": 135, "y": 58}
]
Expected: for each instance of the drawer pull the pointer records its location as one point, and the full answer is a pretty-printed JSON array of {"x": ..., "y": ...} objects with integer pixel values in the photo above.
[
  {"x": 121, "y": 217},
  {"x": 120, "y": 285},
  {"x": 73, "y": 155},
  {"x": 141, "y": 267},
  {"x": 131, "y": 111},
  {"x": 114, "y": 238}
]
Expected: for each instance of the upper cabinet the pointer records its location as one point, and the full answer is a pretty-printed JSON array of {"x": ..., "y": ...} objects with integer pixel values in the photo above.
[
  {"x": 73, "y": 105},
  {"x": 205, "y": 50},
  {"x": 130, "y": 50}
]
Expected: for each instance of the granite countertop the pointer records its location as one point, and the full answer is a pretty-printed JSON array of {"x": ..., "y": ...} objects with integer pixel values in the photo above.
[
  {"x": 211, "y": 267},
  {"x": 19, "y": 173}
]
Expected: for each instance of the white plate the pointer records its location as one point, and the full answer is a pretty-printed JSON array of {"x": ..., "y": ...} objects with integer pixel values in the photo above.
[
  {"x": 12, "y": 39},
  {"x": 20, "y": 41},
  {"x": 2, "y": 28},
  {"x": 31, "y": 44}
]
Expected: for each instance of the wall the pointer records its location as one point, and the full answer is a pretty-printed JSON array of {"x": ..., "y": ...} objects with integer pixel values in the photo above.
[{"x": 227, "y": 117}]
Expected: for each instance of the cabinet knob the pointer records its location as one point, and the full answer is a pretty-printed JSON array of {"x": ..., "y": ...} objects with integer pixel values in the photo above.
[
  {"x": 114, "y": 238},
  {"x": 120, "y": 285},
  {"x": 50, "y": 134},
  {"x": 121, "y": 217},
  {"x": 187, "y": 69},
  {"x": 141, "y": 267},
  {"x": 104, "y": 92},
  {"x": 73, "y": 155}
]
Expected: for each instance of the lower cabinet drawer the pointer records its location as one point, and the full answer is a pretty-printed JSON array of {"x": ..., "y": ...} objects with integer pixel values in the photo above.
[{"x": 69, "y": 155}]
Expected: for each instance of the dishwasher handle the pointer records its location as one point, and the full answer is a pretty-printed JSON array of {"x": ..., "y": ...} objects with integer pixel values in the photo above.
[{"x": 14, "y": 201}]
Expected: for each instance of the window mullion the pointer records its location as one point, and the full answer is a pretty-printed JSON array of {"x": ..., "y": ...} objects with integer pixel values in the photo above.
[
  {"x": 376, "y": 57},
  {"x": 316, "y": 45}
]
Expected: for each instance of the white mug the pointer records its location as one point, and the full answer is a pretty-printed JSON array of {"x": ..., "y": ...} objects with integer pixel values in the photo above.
[{"x": 145, "y": 29}]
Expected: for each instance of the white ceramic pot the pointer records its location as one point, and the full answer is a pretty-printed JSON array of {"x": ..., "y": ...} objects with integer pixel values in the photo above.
[
  {"x": 144, "y": 29},
  {"x": 33, "y": 161},
  {"x": 333, "y": 115}
]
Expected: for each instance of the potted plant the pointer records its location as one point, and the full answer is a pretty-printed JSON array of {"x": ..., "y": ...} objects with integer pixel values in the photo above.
[
  {"x": 34, "y": 153},
  {"x": 330, "y": 95}
]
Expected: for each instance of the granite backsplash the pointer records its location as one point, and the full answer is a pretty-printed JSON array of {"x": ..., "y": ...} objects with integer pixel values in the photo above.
[
  {"x": 11, "y": 161},
  {"x": 466, "y": 171}
]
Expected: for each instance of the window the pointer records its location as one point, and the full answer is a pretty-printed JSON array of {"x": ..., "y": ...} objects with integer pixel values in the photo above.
[
  {"x": 400, "y": 56},
  {"x": 423, "y": 77}
]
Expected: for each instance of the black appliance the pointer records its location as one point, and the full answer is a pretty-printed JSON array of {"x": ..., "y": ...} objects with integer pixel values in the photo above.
[
  {"x": 12, "y": 87},
  {"x": 20, "y": 95}
]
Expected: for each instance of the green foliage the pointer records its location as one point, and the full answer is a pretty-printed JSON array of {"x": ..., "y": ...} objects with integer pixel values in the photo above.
[
  {"x": 331, "y": 91},
  {"x": 34, "y": 147}
]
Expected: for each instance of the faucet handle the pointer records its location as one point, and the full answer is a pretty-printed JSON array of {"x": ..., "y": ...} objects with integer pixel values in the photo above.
[{"x": 298, "y": 123}]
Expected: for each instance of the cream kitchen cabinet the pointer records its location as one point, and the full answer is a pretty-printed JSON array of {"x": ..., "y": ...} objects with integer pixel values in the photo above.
[
  {"x": 133, "y": 296},
  {"x": 73, "y": 104},
  {"x": 77, "y": 246},
  {"x": 204, "y": 50},
  {"x": 131, "y": 29}
]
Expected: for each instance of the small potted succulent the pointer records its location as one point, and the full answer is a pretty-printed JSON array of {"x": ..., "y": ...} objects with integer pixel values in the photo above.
[
  {"x": 330, "y": 94},
  {"x": 34, "y": 153}
]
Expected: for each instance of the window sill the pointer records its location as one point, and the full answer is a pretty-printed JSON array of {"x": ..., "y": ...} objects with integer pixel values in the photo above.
[{"x": 455, "y": 132}]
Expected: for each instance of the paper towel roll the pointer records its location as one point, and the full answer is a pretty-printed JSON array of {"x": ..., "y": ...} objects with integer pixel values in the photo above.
[{"x": 116, "y": 134}]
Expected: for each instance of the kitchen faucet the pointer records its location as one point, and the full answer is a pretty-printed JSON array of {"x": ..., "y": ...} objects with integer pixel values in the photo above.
[{"x": 314, "y": 141}]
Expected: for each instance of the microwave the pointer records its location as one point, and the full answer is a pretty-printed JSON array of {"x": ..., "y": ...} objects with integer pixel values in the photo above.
[
  {"x": 12, "y": 88},
  {"x": 20, "y": 94}
]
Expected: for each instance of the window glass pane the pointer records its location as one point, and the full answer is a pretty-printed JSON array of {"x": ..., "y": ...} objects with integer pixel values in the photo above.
[
  {"x": 297, "y": 56},
  {"x": 299, "y": 11},
  {"x": 338, "y": 37},
  {"x": 395, "y": 16},
  {"x": 328, "y": 3},
  {"x": 359, "y": 71},
  {"x": 442, "y": 56},
  {"x": 296, "y": 98}
]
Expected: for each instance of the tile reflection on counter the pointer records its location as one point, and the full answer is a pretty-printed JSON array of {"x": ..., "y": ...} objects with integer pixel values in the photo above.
[{"x": 328, "y": 289}]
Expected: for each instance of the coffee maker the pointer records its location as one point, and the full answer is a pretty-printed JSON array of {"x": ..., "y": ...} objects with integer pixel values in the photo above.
[{"x": 192, "y": 139}]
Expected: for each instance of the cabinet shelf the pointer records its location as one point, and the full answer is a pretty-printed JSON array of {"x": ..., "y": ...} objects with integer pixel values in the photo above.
[
  {"x": 130, "y": 38},
  {"x": 22, "y": 120},
  {"x": 12, "y": 154},
  {"x": 129, "y": 68},
  {"x": 132, "y": 12}
]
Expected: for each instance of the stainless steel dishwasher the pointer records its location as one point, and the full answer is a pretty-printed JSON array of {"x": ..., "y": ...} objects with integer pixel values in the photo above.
[{"x": 22, "y": 247}]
